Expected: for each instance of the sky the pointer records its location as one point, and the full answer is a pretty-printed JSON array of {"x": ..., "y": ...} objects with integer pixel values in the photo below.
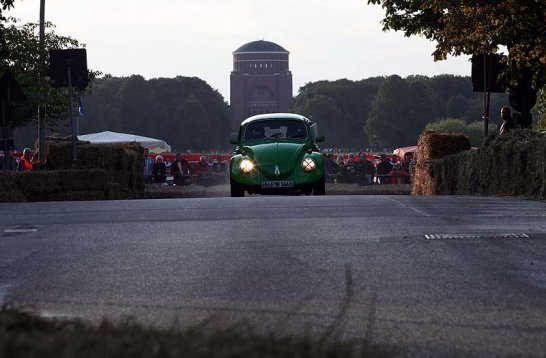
[{"x": 327, "y": 40}]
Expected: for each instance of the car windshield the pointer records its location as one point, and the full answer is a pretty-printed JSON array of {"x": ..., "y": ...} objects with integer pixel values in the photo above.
[{"x": 275, "y": 129}]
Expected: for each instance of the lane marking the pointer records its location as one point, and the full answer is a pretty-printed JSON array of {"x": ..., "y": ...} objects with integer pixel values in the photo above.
[
  {"x": 409, "y": 207},
  {"x": 20, "y": 230},
  {"x": 478, "y": 236}
]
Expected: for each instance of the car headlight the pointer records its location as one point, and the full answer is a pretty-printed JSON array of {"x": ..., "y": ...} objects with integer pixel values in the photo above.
[
  {"x": 308, "y": 165},
  {"x": 246, "y": 166}
]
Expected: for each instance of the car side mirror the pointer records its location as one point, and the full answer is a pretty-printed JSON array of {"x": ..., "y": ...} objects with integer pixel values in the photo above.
[
  {"x": 319, "y": 138},
  {"x": 234, "y": 138}
]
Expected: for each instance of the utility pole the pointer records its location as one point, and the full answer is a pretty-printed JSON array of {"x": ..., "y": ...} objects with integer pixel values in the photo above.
[{"x": 41, "y": 108}]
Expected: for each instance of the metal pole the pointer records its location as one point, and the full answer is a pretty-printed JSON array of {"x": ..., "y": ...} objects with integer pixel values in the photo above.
[
  {"x": 485, "y": 91},
  {"x": 41, "y": 108},
  {"x": 4, "y": 146},
  {"x": 71, "y": 114}
]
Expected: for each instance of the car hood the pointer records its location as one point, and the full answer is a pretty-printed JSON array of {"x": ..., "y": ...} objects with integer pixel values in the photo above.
[{"x": 281, "y": 155}]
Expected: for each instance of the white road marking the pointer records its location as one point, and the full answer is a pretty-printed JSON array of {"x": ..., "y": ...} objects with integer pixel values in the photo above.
[
  {"x": 20, "y": 230},
  {"x": 409, "y": 207}
]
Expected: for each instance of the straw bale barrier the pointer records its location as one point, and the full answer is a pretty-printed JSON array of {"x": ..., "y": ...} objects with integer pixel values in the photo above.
[
  {"x": 512, "y": 164},
  {"x": 102, "y": 171},
  {"x": 121, "y": 162},
  {"x": 431, "y": 147},
  {"x": 9, "y": 193}
]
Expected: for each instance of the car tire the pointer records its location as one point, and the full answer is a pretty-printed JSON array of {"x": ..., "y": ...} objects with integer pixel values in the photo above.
[
  {"x": 237, "y": 189},
  {"x": 320, "y": 187}
]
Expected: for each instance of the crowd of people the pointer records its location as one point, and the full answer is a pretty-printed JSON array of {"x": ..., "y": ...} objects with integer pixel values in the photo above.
[
  {"x": 364, "y": 169},
  {"x": 26, "y": 162},
  {"x": 206, "y": 171}
]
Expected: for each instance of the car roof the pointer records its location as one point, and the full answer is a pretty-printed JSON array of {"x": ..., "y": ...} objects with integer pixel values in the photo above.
[{"x": 276, "y": 116}]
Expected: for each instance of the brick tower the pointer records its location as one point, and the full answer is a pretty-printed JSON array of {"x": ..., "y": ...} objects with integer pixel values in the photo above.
[{"x": 261, "y": 81}]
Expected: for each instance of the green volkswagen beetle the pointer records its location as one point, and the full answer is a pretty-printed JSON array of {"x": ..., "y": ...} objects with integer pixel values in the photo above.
[{"x": 277, "y": 154}]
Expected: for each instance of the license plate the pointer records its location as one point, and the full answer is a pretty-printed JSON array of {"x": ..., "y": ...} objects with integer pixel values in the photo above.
[{"x": 277, "y": 184}]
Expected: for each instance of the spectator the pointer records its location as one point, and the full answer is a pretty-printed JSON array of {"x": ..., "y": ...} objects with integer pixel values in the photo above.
[
  {"x": 25, "y": 162},
  {"x": 398, "y": 175},
  {"x": 394, "y": 160},
  {"x": 350, "y": 169},
  {"x": 202, "y": 169},
  {"x": 180, "y": 170},
  {"x": 507, "y": 122},
  {"x": 331, "y": 168},
  {"x": 383, "y": 169},
  {"x": 219, "y": 170},
  {"x": 411, "y": 166},
  {"x": 148, "y": 166},
  {"x": 7, "y": 162},
  {"x": 159, "y": 170},
  {"x": 365, "y": 169},
  {"x": 340, "y": 177}
]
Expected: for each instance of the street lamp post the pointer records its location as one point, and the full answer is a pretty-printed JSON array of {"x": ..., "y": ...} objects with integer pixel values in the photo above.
[{"x": 41, "y": 108}]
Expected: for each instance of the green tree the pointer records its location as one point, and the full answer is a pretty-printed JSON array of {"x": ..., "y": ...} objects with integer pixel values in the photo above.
[
  {"x": 184, "y": 111},
  {"x": 349, "y": 103},
  {"x": 400, "y": 112},
  {"x": 4, "y": 5},
  {"x": 482, "y": 27},
  {"x": 324, "y": 111},
  {"x": 29, "y": 63}
]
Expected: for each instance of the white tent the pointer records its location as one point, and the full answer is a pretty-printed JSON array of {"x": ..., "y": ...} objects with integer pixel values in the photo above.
[{"x": 113, "y": 137}]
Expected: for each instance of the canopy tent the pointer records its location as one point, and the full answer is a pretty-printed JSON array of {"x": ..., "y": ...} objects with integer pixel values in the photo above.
[
  {"x": 113, "y": 137},
  {"x": 402, "y": 152}
]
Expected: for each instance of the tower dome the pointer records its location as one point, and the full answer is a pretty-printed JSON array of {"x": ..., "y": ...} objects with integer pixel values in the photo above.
[{"x": 260, "y": 46}]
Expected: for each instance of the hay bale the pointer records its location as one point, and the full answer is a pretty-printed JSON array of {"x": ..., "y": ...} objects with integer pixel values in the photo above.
[
  {"x": 38, "y": 182},
  {"x": 422, "y": 179},
  {"x": 512, "y": 164},
  {"x": 429, "y": 177},
  {"x": 436, "y": 145},
  {"x": 118, "y": 192},
  {"x": 9, "y": 192},
  {"x": 83, "y": 179}
]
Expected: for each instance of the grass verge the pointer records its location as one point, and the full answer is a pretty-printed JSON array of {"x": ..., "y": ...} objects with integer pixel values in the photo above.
[{"x": 26, "y": 335}]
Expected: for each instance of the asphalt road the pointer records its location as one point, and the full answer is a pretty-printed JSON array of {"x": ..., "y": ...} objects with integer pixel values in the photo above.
[{"x": 291, "y": 264}]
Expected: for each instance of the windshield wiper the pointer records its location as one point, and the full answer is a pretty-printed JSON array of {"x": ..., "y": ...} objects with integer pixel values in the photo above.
[
  {"x": 274, "y": 135},
  {"x": 299, "y": 135}
]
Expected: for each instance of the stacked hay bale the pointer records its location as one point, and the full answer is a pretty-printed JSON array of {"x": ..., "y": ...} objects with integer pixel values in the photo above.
[
  {"x": 510, "y": 164},
  {"x": 9, "y": 192},
  {"x": 429, "y": 179},
  {"x": 121, "y": 164}
]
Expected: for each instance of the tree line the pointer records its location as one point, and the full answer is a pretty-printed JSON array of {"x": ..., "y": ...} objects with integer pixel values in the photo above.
[
  {"x": 375, "y": 112},
  {"x": 392, "y": 111}
]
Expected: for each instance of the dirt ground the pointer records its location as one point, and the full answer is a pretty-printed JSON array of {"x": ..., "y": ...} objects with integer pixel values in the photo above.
[{"x": 155, "y": 191}]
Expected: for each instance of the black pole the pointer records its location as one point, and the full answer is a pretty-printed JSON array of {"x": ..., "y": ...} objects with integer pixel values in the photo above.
[
  {"x": 71, "y": 114},
  {"x": 485, "y": 97},
  {"x": 41, "y": 108},
  {"x": 4, "y": 146}
]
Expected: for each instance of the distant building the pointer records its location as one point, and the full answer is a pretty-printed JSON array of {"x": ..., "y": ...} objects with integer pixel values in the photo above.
[{"x": 261, "y": 81}]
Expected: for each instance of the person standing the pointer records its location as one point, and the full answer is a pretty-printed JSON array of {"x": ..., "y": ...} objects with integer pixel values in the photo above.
[
  {"x": 159, "y": 170},
  {"x": 507, "y": 121},
  {"x": 383, "y": 169},
  {"x": 148, "y": 166},
  {"x": 202, "y": 169},
  {"x": 180, "y": 169},
  {"x": 366, "y": 170},
  {"x": 25, "y": 162}
]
